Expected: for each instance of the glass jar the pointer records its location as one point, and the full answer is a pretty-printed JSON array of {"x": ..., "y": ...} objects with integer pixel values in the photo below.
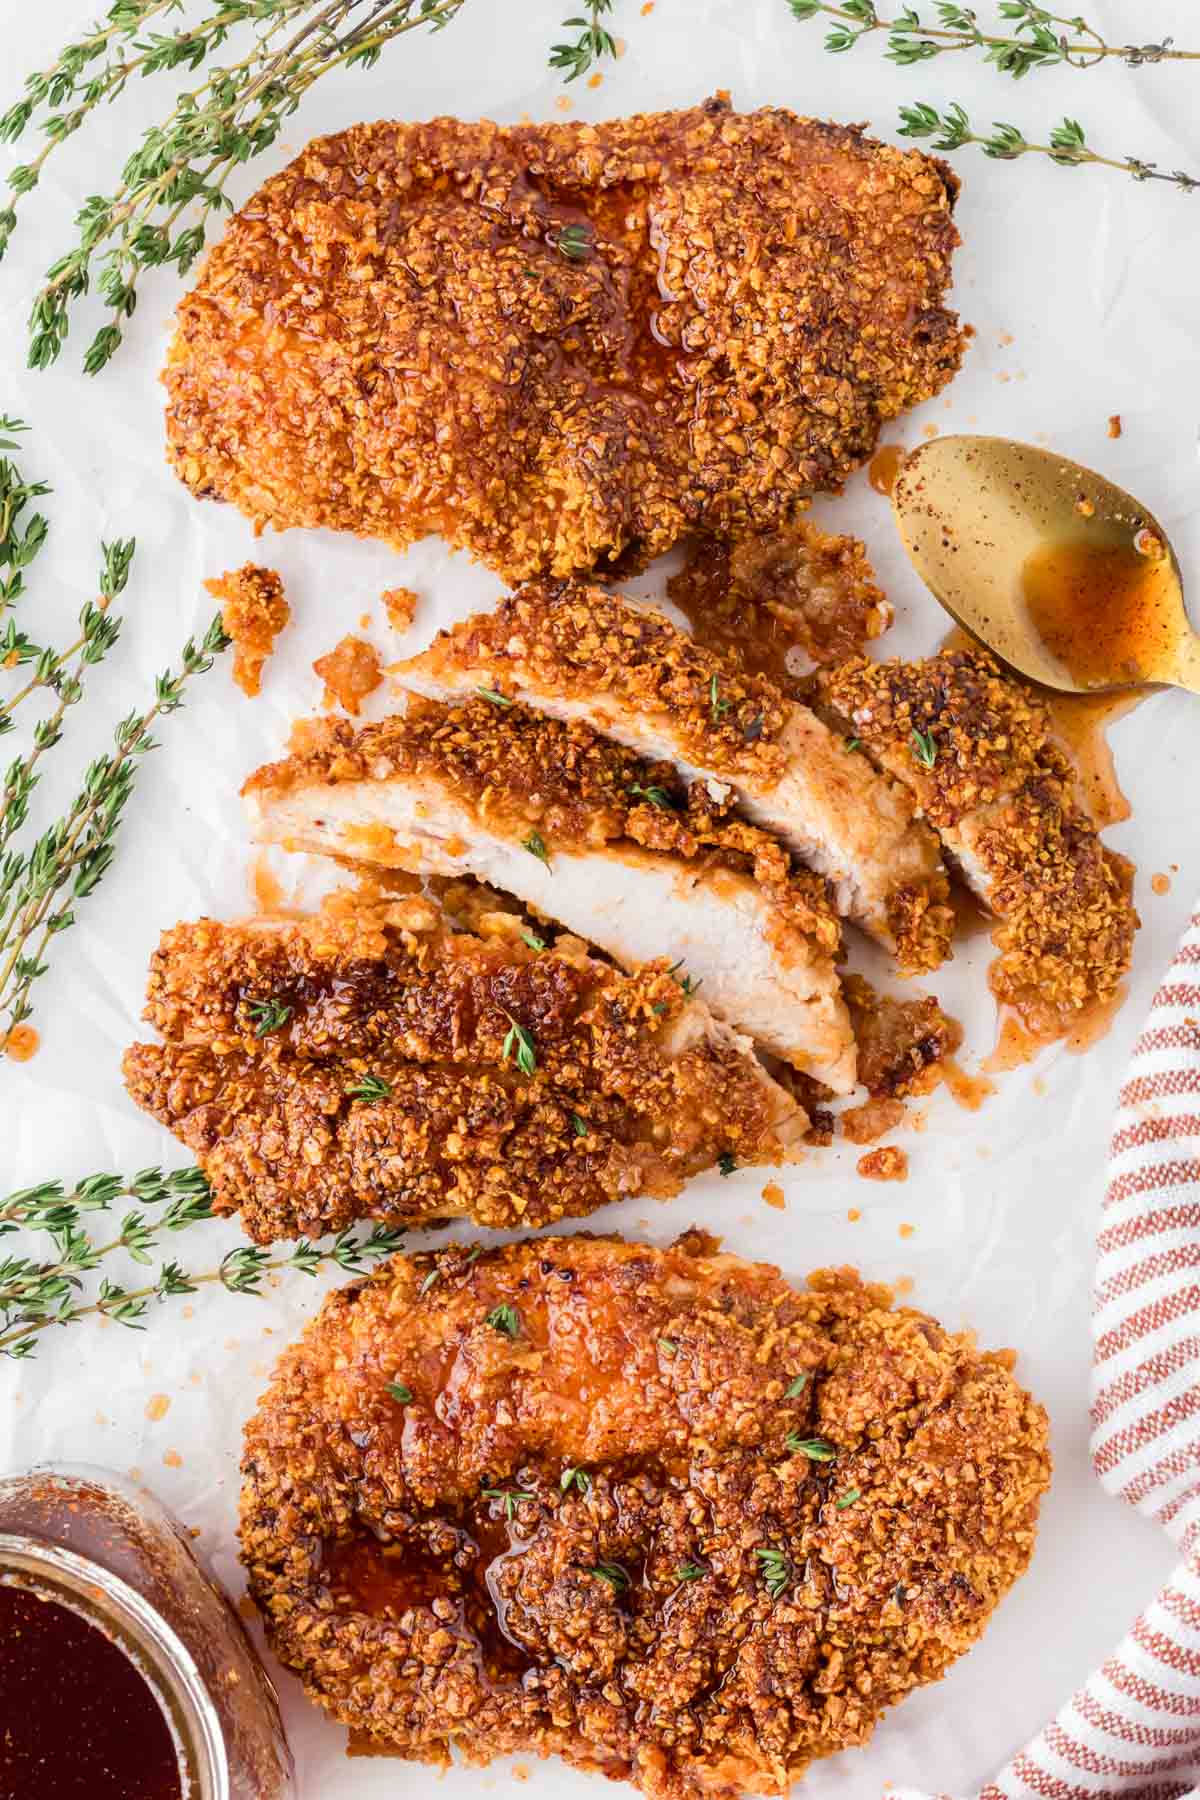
[{"x": 92, "y": 1542}]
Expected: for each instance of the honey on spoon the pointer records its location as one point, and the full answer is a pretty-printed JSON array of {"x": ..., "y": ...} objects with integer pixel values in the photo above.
[{"x": 1063, "y": 575}]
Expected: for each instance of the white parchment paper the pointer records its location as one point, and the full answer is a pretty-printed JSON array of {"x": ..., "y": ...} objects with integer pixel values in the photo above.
[{"x": 1083, "y": 289}]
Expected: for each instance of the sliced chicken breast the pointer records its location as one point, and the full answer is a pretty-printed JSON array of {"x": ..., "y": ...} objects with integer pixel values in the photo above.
[
  {"x": 581, "y": 653},
  {"x": 976, "y": 749},
  {"x": 610, "y": 846},
  {"x": 370, "y": 1063}
]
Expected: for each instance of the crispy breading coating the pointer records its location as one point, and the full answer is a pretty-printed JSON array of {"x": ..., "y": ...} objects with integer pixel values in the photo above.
[
  {"x": 564, "y": 345},
  {"x": 253, "y": 613},
  {"x": 656, "y": 1512},
  {"x": 371, "y": 1064},
  {"x": 975, "y": 745}
]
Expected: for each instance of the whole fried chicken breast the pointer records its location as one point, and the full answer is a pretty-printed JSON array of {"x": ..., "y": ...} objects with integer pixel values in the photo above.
[
  {"x": 564, "y": 345},
  {"x": 370, "y": 1062},
  {"x": 656, "y": 1512}
]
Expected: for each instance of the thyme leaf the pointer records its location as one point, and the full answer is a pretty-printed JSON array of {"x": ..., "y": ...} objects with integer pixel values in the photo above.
[{"x": 505, "y": 1319}]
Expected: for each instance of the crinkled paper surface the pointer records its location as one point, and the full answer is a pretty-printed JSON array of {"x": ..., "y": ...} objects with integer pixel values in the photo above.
[{"x": 1082, "y": 288}]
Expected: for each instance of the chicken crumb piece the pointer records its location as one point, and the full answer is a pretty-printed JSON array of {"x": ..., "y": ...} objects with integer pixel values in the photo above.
[
  {"x": 400, "y": 604},
  {"x": 157, "y": 1407},
  {"x": 350, "y": 672},
  {"x": 854, "y": 1215},
  {"x": 906, "y": 1231},
  {"x": 887, "y": 1164},
  {"x": 782, "y": 601},
  {"x": 172, "y": 1459},
  {"x": 1114, "y": 425},
  {"x": 773, "y": 1195},
  {"x": 867, "y": 1123},
  {"x": 253, "y": 613}
]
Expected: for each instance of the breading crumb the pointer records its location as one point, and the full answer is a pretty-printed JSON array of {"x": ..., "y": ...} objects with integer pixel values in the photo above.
[
  {"x": 350, "y": 671},
  {"x": 886, "y": 1164},
  {"x": 253, "y": 613}
]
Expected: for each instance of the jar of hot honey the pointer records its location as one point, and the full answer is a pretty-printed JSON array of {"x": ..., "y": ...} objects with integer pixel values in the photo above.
[{"x": 125, "y": 1673}]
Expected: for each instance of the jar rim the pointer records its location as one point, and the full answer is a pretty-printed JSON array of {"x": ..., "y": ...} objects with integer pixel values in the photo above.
[{"x": 140, "y": 1631}]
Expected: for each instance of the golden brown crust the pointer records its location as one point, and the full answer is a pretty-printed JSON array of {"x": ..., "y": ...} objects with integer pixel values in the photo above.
[
  {"x": 434, "y": 1567},
  {"x": 253, "y": 613},
  {"x": 517, "y": 770},
  {"x": 584, "y": 642},
  {"x": 630, "y": 1093},
  {"x": 976, "y": 747},
  {"x": 396, "y": 335}
]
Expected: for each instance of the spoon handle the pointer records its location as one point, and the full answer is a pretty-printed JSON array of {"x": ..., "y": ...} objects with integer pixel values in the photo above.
[{"x": 1186, "y": 673}]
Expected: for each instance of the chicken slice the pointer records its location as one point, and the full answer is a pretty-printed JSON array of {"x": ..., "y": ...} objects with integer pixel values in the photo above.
[
  {"x": 614, "y": 848},
  {"x": 370, "y": 1063},
  {"x": 581, "y": 653},
  {"x": 975, "y": 747}
]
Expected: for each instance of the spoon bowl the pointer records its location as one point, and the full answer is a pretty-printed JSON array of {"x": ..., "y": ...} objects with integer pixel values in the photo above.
[{"x": 1063, "y": 575}]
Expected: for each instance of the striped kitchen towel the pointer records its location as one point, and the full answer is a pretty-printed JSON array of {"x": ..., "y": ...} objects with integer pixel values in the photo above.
[{"x": 1134, "y": 1729}]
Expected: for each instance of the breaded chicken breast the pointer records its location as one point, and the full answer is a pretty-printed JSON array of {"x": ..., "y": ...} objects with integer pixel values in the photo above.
[
  {"x": 564, "y": 345},
  {"x": 656, "y": 1512},
  {"x": 371, "y": 1063},
  {"x": 975, "y": 747},
  {"x": 582, "y": 653},
  {"x": 615, "y": 848}
]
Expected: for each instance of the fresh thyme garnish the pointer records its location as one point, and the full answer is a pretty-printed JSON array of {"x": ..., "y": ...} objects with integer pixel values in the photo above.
[
  {"x": 510, "y": 1497},
  {"x": 532, "y": 941},
  {"x": 371, "y": 1088},
  {"x": 575, "y": 242},
  {"x": 924, "y": 748},
  {"x": 1067, "y": 144},
  {"x": 593, "y": 43},
  {"x": 691, "y": 987},
  {"x": 816, "y": 1449},
  {"x": 775, "y": 1569},
  {"x": 39, "y": 885},
  {"x": 691, "y": 1571},
  {"x": 433, "y": 1276},
  {"x": 1037, "y": 42},
  {"x": 505, "y": 1319},
  {"x": 401, "y": 1394},
  {"x": 669, "y": 1345},
  {"x": 727, "y": 1162},
  {"x": 853, "y": 743},
  {"x": 848, "y": 1498},
  {"x": 717, "y": 706},
  {"x": 176, "y": 180},
  {"x": 492, "y": 694},
  {"x": 536, "y": 846},
  {"x": 268, "y": 1016},
  {"x": 579, "y": 1126},
  {"x": 518, "y": 1047},
  {"x": 36, "y": 1294},
  {"x": 613, "y": 1573},
  {"x": 575, "y": 1478},
  {"x": 657, "y": 796},
  {"x": 796, "y": 1386}
]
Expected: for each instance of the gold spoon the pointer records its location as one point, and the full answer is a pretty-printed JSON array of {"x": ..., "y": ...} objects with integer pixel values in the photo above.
[{"x": 1063, "y": 575}]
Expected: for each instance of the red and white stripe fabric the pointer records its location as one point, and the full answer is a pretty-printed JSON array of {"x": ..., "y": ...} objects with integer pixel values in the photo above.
[{"x": 1134, "y": 1730}]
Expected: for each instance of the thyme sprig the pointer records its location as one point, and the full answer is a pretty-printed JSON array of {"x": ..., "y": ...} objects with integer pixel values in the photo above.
[
  {"x": 38, "y": 1293},
  {"x": 39, "y": 887},
  {"x": 1067, "y": 144},
  {"x": 176, "y": 180},
  {"x": 1039, "y": 39},
  {"x": 593, "y": 43}
]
